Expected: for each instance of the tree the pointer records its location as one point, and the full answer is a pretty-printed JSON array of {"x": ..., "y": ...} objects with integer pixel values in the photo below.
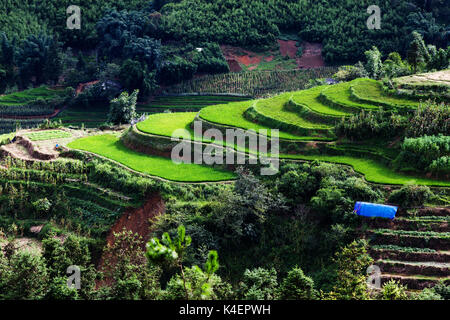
[
  {"x": 39, "y": 57},
  {"x": 170, "y": 251},
  {"x": 123, "y": 108},
  {"x": 200, "y": 284},
  {"x": 259, "y": 284},
  {"x": 125, "y": 266},
  {"x": 7, "y": 63},
  {"x": 28, "y": 278},
  {"x": 297, "y": 286},
  {"x": 373, "y": 64},
  {"x": 417, "y": 51},
  {"x": 58, "y": 256},
  {"x": 352, "y": 263},
  {"x": 194, "y": 283}
]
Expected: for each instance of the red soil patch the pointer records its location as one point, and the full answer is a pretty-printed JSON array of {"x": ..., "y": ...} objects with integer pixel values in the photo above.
[
  {"x": 236, "y": 56},
  {"x": 248, "y": 59},
  {"x": 137, "y": 220},
  {"x": 288, "y": 48},
  {"x": 234, "y": 65},
  {"x": 268, "y": 59},
  {"x": 312, "y": 56}
]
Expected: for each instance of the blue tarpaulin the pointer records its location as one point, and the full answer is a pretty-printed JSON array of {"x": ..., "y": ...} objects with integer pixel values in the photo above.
[{"x": 366, "y": 209}]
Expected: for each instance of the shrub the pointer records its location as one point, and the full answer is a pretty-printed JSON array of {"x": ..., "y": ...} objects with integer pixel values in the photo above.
[
  {"x": 411, "y": 196},
  {"x": 297, "y": 286},
  {"x": 348, "y": 73},
  {"x": 393, "y": 290},
  {"x": 259, "y": 284},
  {"x": 428, "y": 153},
  {"x": 430, "y": 118}
]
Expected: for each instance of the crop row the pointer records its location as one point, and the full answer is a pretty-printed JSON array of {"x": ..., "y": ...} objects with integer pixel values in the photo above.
[{"x": 255, "y": 84}]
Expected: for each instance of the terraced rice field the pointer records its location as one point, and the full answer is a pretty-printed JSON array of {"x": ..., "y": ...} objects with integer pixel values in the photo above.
[
  {"x": 309, "y": 111},
  {"x": 339, "y": 96},
  {"x": 109, "y": 146},
  {"x": 27, "y": 96},
  {"x": 274, "y": 108},
  {"x": 232, "y": 115},
  {"x": 310, "y": 99},
  {"x": 371, "y": 91}
]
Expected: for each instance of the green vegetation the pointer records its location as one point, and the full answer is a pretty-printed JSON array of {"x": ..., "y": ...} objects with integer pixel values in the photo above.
[
  {"x": 371, "y": 91},
  {"x": 48, "y": 135},
  {"x": 254, "y": 83},
  {"x": 165, "y": 124},
  {"x": 310, "y": 98},
  {"x": 232, "y": 114},
  {"x": 402, "y": 249},
  {"x": 374, "y": 171},
  {"x": 339, "y": 96},
  {"x": 274, "y": 108},
  {"x": 110, "y": 147},
  {"x": 185, "y": 103}
]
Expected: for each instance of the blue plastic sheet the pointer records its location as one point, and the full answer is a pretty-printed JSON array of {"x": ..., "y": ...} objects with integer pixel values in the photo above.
[{"x": 366, "y": 209}]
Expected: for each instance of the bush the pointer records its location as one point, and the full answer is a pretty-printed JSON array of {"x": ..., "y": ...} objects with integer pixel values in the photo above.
[
  {"x": 297, "y": 286},
  {"x": 428, "y": 153},
  {"x": 259, "y": 284},
  {"x": 430, "y": 118},
  {"x": 348, "y": 73},
  {"x": 393, "y": 290},
  {"x": 411, "y": 196}
]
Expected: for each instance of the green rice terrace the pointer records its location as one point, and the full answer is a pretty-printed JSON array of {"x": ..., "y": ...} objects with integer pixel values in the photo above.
[
  {"x": 305, "y": 119},
  {"x": 314, "y": 124}
]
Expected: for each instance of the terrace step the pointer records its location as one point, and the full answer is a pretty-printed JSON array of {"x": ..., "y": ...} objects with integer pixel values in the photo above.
[
  {"x": 433, "y": 212},
  {"x": 416, "y": 256},
  {"x": 414, "y": 282},
  {"x": 435, "y": 242},
  {"x": 427, "y": 268},
  {"x": 411, "y": 224},
  {"x": 339, "y": 97},
  {"x": 272, "y": 113}
]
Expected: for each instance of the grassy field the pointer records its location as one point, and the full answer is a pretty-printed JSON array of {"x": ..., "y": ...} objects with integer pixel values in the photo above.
[
  {"x": 47, "y": 135},
  {"x": 232, "y": 114},
  {"x": 310, "y": 99},
  {"x": 109, "y": 146},
  {"x": 374, "y": 171}
]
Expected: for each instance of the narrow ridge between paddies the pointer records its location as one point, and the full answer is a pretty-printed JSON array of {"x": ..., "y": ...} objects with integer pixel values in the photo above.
[{"x": 109, "y": 146}]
